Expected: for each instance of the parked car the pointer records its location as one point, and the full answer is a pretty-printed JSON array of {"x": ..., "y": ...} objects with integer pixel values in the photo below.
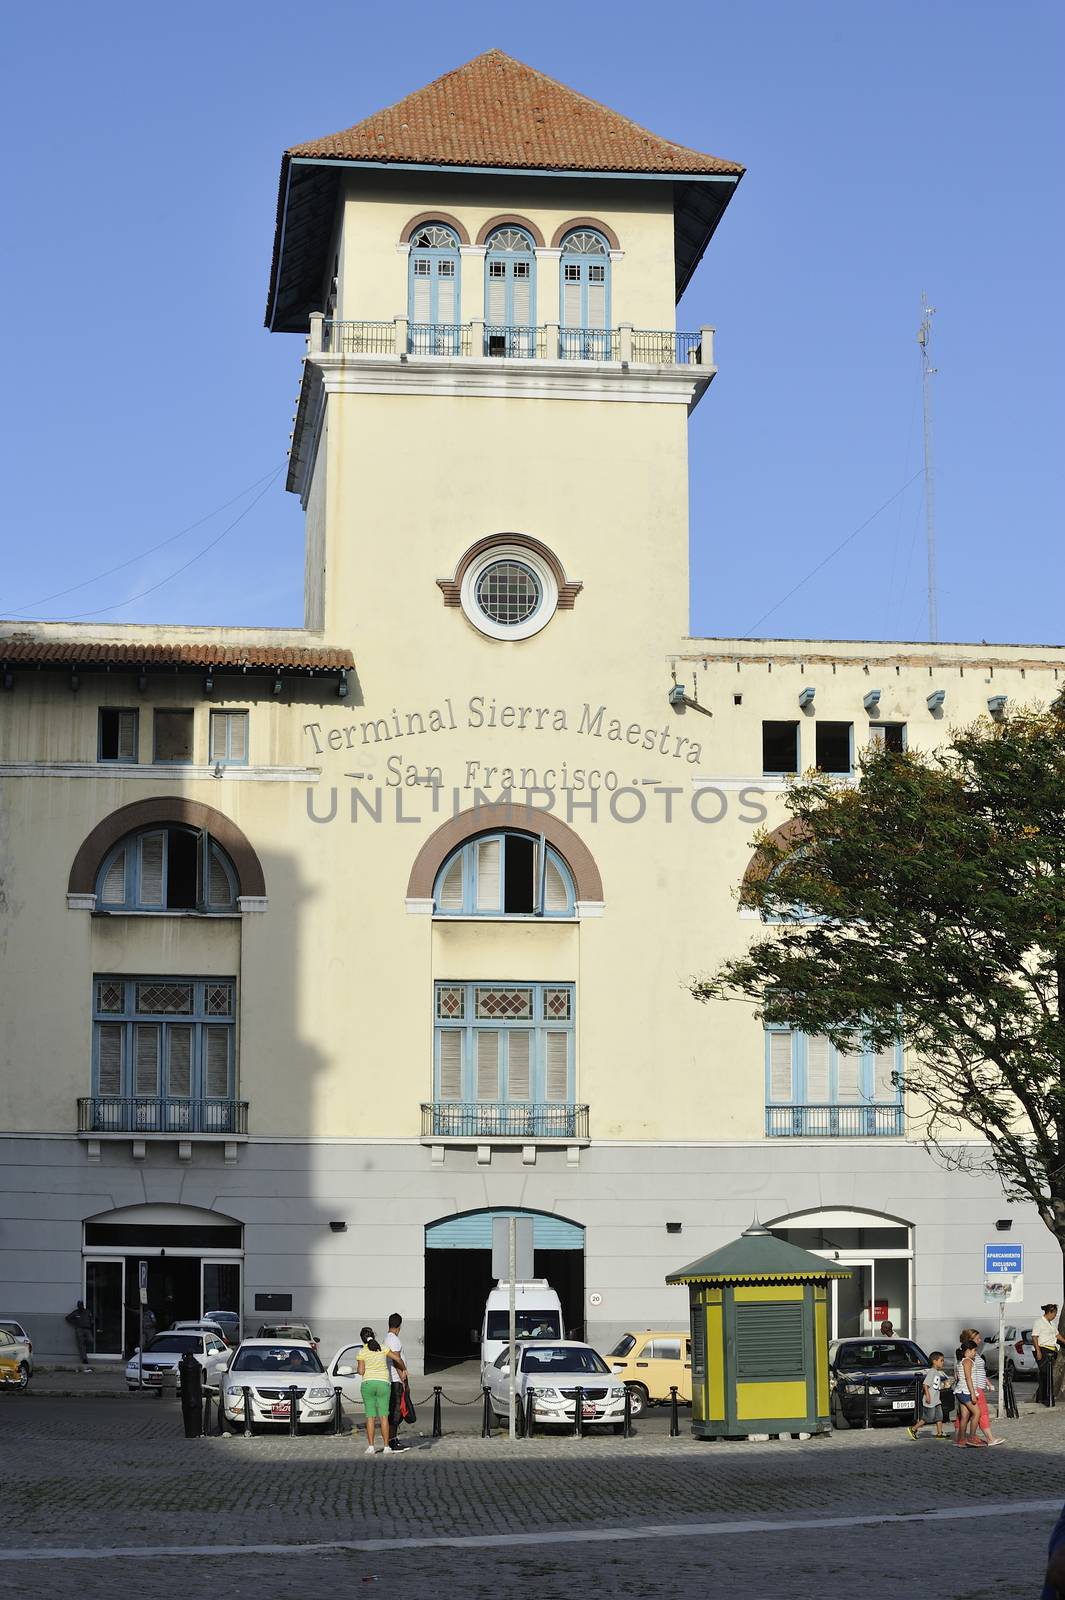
[
  {"x": 298, "y": 1332},
  {"x": 268, "y": 1369},
  {"x": 229, "y": 1322},
  {"x": 890, "y": 1367},
  {"x": 200, "y": 1325},
  {"x": 552, "y": 1373},
  {"x": 1021, "y": 1359},
  {"x": 160, "y": 1357},
  {"x": 651, "y": 1363},
  {"x": 21, "y": 1337},
  {"x": 14, "y": 1353}
]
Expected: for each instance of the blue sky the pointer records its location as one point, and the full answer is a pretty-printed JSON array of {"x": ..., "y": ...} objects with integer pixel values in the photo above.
[{"x": 892, "y": 148}]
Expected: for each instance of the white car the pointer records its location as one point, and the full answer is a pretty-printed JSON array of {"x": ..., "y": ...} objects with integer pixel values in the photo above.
[
  {"x": 159, "y": 1361},
  {"x": 552, "y": 1373},
  {"x": 201, "y": 1325},
  {"x": 24, "y": 1354},
  {"x": 1020, "y": 1356},
  {"x": 268, "y": 1369}
]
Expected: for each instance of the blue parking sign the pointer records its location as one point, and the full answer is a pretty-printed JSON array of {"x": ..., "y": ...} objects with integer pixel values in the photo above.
[{"x": 1003, "y": 1260}]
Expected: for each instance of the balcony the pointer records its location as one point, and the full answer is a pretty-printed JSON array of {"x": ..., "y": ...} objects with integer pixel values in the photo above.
[
  {"x": 625, "y": 345},
  {"x": 155, "y": 1116},
  {"x": 835, "y": 1122},
  {"x": 513, "y": 1121}
]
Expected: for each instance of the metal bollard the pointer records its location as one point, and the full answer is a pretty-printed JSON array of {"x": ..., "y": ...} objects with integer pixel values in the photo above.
[
  {"x": 293, "y": 1411},
  {"x": 207, "y": 1394},
  {"x": 486, "y": 1424},
  {"x": 674, "y": 1414},
  {"x": 578, "y": 1413},
  {"x": 519, "y": 1418},
  {"x": 338, "y": 1409},
  {"x": 437, "y": 1428},
  {"x": 626, "y": 1426},
  {"x": 530, "y": 1414},
  {"x": 918, "y": 1399},
  {"x": 868, "y": 1424},
  {"x": 247, "y": 1412}
]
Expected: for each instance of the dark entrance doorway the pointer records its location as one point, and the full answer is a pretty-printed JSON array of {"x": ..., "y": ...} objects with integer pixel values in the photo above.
[
  {"x": 458, "y": 1276},
  {"x": 173, "y": 1293}
]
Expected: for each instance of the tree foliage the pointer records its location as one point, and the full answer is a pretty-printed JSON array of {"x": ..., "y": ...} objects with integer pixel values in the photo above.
[{"x": 927, "y": 903}]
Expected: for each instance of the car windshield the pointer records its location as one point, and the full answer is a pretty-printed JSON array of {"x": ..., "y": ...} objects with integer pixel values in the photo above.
[
  {"x": 562, "y": 1358},
  {"x": 623, "y": 1346},
  {"x": 286, "y": 1330},
  {"x": 528, "y": 1324},
  {"x": 856, "y": 1356},
  {"x": 173, "y": 1344},
  {"x": 276, "y": 1360}
]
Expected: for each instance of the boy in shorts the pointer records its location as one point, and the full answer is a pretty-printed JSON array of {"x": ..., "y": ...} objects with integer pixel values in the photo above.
[{"x": 932, "y": 1408}]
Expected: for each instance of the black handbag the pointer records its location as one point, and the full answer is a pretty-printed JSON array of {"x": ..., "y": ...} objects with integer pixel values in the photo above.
[{"x": 407, "y": 1412}]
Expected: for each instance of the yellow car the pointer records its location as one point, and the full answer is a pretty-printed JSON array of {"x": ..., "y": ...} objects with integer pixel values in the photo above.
[
  {"x": 9, "y": 1372},
  {"x": 650, "y": 1363}
]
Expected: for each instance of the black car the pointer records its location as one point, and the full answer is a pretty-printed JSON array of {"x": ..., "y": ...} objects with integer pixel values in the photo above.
[{"x": 889, "y": 1368}]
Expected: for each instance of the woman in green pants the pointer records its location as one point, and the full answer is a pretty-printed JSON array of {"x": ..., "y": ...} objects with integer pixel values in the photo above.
[{"x": 376, "y": 1386}]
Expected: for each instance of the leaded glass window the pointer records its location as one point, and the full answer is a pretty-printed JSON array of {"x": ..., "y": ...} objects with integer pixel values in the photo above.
[
  {"x": 161, "y": 1040},
  {"x": 504, "y": 1043},
  {"x": 508, "y": 592}
]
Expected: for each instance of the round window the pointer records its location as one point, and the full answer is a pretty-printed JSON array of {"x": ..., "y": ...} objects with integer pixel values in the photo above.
[{"x": 509, "y": 592}]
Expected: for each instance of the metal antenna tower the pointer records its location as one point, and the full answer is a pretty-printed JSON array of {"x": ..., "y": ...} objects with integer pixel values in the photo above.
[{"x": 928, "y": 371}]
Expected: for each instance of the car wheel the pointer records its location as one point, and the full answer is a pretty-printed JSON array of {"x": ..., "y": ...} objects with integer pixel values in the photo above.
[
  {"x": 639, "y": 1399},
  {"x": 23, "y": 1375},
  {"x": 839, "y": 1420}
]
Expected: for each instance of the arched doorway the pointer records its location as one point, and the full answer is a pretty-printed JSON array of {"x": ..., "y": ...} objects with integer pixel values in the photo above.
[
  {"x": 879, "y": 1251},
  {"x": 194, "y": 1263},
  {"x": 458, "y": 1276}
]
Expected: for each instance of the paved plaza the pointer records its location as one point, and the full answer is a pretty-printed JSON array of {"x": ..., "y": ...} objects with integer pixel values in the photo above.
[{"x": 104, "y": 1493}]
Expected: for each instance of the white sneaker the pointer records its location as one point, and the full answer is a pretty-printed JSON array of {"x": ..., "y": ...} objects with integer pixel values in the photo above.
[{"x": 369, "y": 1451}]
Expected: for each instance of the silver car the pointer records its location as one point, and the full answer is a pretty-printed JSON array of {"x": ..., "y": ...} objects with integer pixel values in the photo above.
[
  {"x": 1021, "y": 1361},
  {"x": 552, "y": 1372},
  {"x": 158, "y": 1362},
  {"x": 269, "y": 1369}
]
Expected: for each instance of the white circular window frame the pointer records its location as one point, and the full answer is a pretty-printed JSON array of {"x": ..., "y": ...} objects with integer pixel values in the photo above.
[{"x": 544, "y": 577}]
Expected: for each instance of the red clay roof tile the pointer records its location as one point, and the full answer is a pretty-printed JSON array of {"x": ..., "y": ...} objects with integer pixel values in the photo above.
[{"x": 88, "y": 653}]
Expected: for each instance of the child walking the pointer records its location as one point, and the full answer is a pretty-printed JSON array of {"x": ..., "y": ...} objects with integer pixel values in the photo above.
[{"x": 932, "y": 1409}]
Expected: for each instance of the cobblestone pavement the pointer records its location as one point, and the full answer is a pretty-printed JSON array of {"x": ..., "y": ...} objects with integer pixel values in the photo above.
[{"x": 104, "y": 1475}]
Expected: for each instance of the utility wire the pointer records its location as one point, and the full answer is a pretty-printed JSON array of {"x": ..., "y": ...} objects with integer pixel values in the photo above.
[
  {"x": 119, "y": 604},
  {"x": 31, "y": 607},
  {"x": 824, "y": 563}
]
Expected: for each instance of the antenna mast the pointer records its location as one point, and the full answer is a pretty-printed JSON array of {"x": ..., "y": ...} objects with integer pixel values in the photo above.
[{"x": 928, "y": 371}]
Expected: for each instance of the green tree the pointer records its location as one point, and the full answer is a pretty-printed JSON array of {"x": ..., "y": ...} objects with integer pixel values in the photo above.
[{"x": 927, "y": 903}]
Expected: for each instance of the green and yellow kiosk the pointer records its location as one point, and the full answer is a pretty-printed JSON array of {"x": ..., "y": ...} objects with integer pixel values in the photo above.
[{"x": 759, "y": 1320}]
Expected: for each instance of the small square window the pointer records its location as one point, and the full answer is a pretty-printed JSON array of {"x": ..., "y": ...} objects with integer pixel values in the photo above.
[
  {"x": 572, "y": 272},
  {"x": 834, "y": 746},
  {"x": 446, "y": 269},
  {"x": 888, "y": 736},
  {"x": 421, "y": 269},
  {"x": 596, "y": 274},
  {"x": 173, "y": 736},
  {"x": 521, "y": 269},
  {"x": 117, "y": 735},
  {"x": 780, "y": 747},
  {"x": 497, "y": 269},
  {"x": 229, "y": 737}
]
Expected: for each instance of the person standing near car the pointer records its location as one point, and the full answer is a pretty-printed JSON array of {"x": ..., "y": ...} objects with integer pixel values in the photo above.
[
  {"x": 965, "y": 1396},
  {"x": 397, "y": 1373},
  {"x": 983, "y": 1386},
  {"x": 81, "y": 1321},
  {"x": 376, "y": 1387},
  {"x": 1045, "y": 1339}
]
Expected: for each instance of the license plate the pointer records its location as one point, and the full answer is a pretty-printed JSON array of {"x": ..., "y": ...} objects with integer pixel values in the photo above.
[
  {"x": 279, "y": 1409},
  {"x": 588, "y": 1411},
  {"x": 902, "y": 1405},
  {"x": 153, "y": 1377}
]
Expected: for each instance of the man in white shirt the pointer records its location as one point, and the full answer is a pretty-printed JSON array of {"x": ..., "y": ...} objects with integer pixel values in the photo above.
[
  {"x": 1046, "y": 1339},
  {"x": 394, "y": 1344}
]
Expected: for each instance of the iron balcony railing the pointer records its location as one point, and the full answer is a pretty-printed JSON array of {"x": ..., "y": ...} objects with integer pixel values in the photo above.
[
  {"x": 642, "y": 347},
  {"x": 451, "y": 1119},
  {"x": 160, "y": 1114},
  {"x": 835, "y": 1122}
]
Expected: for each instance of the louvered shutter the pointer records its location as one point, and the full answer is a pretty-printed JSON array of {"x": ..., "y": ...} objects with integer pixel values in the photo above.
[
  {"x": 556, "y": 1067},
  {"x": 216, "y": 1061},
  {"x": 522, "y": 294},
  {"x": 496, "y": 309},
  {"x": 113, "y": 887},
  {"x": 571, "y": 303},
  {"x": 884, "y": 1063},
  {"x": 519, "y": 1065},
  {"x": 597, "y": 298},
  {"x": 488, "y": 1064},
  {"x": 420, "y": 298},
  {"x": 238, "y": 736},
  {"x": 110, "y": 1037},
  {"x": 179, "y": 1060},
  {"x": 219, "y": 892},
  {"x": 127, "y": 735},
  {"x": 770, "y": 1341},
  {"x": 780, "y": 1069},
  {"x": 445, "y": 291},
  {"x": 218, "y": 736},
  {"x": 153, "y": 846},
  {"x": 451, "y": 887},
  {"x": 848, "y": 1075},
  {"x": 450, "y": 1064},
  {"x": 555, "y": 896},
  {"x": 817, "y": 1047},
  {"x": 146, "y": 1058},
  {"x": 488, "y": 866}
]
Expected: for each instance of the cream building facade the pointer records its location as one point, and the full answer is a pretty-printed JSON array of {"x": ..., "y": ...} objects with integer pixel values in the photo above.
[{"x": 319, "y": 948}]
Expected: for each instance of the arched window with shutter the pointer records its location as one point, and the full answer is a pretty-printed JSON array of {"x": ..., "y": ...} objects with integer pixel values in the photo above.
[
  {"x": 434, "y": 300},
  {"x": 510, "y": 293},
  {"x": 504, "y": 874},
  {"x": 585, "y": 295},
  {"x": 170, "y": 868}
]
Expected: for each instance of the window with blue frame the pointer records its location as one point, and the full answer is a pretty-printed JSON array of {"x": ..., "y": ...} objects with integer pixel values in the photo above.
[
  {"x": 504, "y": 874},
  {"x": 434, "y": 300},
  {"x": 510, "y": 293},
  {"x": 504, "y": 1043},
  {"x": 585, "y": 295},
  {"x": 173, "y": 868},
  {"x": 813, "y": 1088},
  {"x": 164, "y": 1038},
  {"x": 229, "y": 738}
]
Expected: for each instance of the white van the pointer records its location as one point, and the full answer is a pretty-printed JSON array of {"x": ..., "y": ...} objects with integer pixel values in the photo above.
[{"x": 538, "y": 1315}]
